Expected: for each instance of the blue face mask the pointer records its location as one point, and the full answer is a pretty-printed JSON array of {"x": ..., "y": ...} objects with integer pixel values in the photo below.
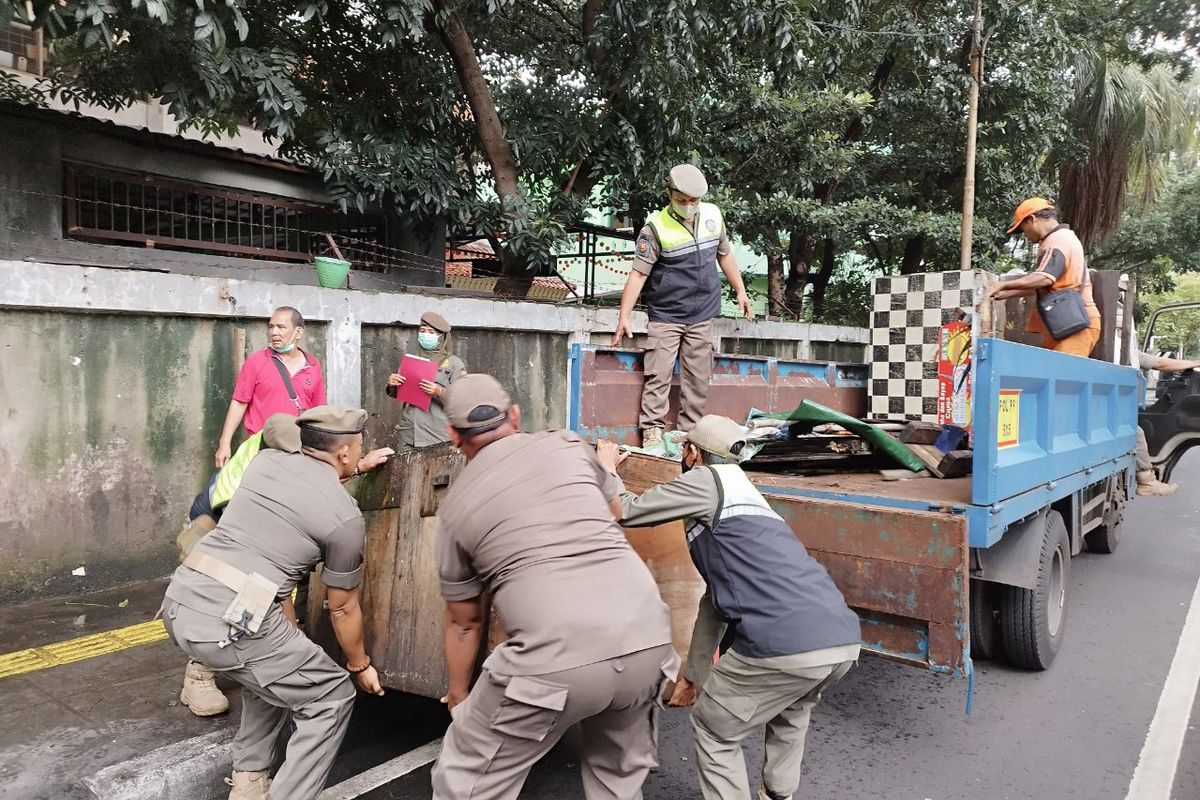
[
  {"x": 428, "y": 341},
  {"x": 284, "y": 348}
]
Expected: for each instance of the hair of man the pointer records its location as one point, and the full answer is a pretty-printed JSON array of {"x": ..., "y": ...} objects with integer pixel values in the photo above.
[
  {"x": 297, "y": 317},
  {"x": 323, "y": 440},
  {"x": 478, "y": 414}
]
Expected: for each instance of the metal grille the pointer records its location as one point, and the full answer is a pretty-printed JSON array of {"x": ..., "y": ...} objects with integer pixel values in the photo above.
[
  {"x": 112, "y": 206},
  {"x": 22, "y": 49}
]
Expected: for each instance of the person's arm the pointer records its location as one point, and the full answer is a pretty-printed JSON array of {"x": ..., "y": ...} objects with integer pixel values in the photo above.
[
  {"x": 629, "y": 296},
  {"x": 1022, "y": 285},
  {"x": 1165, "y": 364},
  {"x": 692, "y": 495},
  {"x": 728, "y": 264},
  {"x": 706, "y": 636},
  {"x": 346, "y": 616},
  {"x": 463, "y": 636},
  {"x": 233, "y": 418}
]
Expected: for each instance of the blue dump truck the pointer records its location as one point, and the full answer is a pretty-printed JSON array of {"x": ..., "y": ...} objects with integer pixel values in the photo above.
[{"x": 937, "y": 569}]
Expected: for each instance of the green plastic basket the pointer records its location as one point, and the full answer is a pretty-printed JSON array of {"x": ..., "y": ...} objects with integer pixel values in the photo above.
[{"x": 331, "y": 272}]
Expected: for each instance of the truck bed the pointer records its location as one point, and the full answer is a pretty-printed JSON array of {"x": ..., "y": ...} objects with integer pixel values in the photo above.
[{"x": 927, "y": 491}]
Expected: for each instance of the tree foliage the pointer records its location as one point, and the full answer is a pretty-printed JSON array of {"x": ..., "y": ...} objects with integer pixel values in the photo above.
[{"x": 832, "y": 132}]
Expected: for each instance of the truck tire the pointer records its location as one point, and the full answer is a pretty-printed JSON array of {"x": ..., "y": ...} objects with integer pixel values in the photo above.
[
  {"x": 1107, "y": 535},
  {"x": 985, "y": 627},
  {"x": 1032, "y": 621}
]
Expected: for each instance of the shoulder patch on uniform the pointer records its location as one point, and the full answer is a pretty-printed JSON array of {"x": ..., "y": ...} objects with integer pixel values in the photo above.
[
  {"x": 710, "y": 225},
  {"x": 643, "y": 245}
]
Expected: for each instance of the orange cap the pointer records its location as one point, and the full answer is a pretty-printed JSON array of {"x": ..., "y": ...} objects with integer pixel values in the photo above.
[{"x": 1030, "y": 206}]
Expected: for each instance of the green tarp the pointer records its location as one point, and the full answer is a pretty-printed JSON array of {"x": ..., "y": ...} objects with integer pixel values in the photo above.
[{"x": 808, "y": 411}]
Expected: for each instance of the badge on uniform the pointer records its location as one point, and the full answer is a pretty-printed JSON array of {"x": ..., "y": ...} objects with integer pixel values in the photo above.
[
  {"x": 643, "y": 245},
  {"x": 710, "y": 225}
]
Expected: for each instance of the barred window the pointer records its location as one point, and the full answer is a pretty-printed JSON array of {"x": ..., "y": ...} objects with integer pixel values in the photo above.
[{"x": 117, "y": 207}]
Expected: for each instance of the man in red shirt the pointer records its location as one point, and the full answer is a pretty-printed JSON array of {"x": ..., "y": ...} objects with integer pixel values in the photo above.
[{"x": 279, "y": 379}]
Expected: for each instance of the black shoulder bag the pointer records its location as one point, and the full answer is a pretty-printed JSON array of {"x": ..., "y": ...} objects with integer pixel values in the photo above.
[
  {"x": 1064, "y": 312},
  {"x": 287, "y": 383}
]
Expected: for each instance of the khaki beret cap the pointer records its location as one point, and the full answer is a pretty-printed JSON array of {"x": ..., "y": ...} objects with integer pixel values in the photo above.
[
  {"x": 435, "y": 321},
  {"x": 334, "y": 419},
  {"x": 718, "y": 435},
  {"x": 689, "y": 180},
  {"x": 469, "y": 393},
  {"x": 280, "y": 432}
]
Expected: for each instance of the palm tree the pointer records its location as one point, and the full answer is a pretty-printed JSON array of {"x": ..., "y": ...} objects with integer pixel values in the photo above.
[{"x": 1127, "y": 123}]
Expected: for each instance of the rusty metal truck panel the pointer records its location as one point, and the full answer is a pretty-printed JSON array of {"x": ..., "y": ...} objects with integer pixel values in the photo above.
[
  {"x": 610, "y": 381},
  {"x": 905, "y": 572}
]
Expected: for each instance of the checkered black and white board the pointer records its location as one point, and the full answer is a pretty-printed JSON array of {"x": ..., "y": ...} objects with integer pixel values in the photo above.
[{"x": 908, "y": 311}]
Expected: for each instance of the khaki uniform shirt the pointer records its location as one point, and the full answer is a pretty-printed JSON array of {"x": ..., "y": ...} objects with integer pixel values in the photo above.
[
  {"x": 421, "y": 428},
  {"x": 695, "y": 495},
  {"x": 528, "y": 520},
  {"x": 289, "y": 513},
  {"x": 647, "y": 248}
]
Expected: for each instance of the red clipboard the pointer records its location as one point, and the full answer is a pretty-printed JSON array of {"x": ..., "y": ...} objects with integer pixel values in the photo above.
[{"x": 415, "y": 369}]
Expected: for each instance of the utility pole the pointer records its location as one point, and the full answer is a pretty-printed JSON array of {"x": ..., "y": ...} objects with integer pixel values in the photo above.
[
  {"x": 968, "y": 203},
  {"x": 979, "y": 43}
]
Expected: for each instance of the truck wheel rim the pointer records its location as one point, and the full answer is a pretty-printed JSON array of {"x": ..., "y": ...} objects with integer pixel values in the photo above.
[{"x": 1058, "y": 594}]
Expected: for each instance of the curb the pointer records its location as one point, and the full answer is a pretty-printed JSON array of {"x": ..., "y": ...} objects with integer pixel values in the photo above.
[{"x": 190, "y": 769}]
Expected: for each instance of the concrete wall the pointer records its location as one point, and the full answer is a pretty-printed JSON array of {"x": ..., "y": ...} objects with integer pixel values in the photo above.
[{"x": 113, "y": 385}]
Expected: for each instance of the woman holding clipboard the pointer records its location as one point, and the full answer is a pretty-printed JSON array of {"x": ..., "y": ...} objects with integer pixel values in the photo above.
[{"x": 423, "y": 422}]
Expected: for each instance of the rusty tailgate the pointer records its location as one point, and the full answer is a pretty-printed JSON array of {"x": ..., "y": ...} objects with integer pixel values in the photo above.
[{"x": 904, "y": 572}]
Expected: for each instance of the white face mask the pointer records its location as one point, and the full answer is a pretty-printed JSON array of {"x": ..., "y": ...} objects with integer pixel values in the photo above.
[{"x": 686, "y": 211}]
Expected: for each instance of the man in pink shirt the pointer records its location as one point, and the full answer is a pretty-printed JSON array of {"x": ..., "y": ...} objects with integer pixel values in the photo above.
[{"x": 279, "y": 379}]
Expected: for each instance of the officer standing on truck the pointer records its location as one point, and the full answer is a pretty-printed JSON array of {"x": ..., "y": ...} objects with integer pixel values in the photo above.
[
  {"x": 531, "y": 521},
  {"x": 793, "y": 634},
  {"x": 677, "y": 255},
  {"x": 223, "y": 605}
]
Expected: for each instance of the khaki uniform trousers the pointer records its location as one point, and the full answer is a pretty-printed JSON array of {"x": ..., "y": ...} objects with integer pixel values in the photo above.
[
  {"x": 1144, "y": 464},
  {"x": 692, "y": 345},
  {"x": 507, "y": 723},
  {"x": 740, "y": 696},
  {"x": 282, "y": 672}
]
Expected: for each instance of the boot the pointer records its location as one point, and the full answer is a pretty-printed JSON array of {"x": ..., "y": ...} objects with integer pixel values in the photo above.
[
  {"x": 248, "y": 785},
  {"x": 763, "y": 794},
  {"x": 1148, "y": 485},
  {"x": 652, "y": 438},
  {"x": 201, "y": 695}
]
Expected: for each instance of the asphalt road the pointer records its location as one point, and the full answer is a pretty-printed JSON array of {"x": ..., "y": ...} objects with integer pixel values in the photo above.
[{"x": 891, "y": 731}]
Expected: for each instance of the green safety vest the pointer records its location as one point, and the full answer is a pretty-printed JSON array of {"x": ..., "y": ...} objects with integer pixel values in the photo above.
[
  {"x": 230, "y": 476},
  {"x": 683, "y": 286}
]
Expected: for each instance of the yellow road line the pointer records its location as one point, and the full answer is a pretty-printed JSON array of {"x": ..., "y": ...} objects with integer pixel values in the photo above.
[{"x": 85, "y": 647}]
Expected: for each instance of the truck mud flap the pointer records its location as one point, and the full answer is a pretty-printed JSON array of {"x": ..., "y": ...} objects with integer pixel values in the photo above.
[{"x": 904, "y": 572}]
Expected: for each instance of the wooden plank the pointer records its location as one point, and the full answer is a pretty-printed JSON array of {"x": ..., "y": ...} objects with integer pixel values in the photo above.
[
  {"x": 930, "y": 455},
  {"x": 955, "y": 464},
  {"x": 917, "y": 432}
]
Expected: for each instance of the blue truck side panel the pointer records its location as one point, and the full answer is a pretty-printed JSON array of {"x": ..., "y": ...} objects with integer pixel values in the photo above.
[{"x": 1073, "y": 414}]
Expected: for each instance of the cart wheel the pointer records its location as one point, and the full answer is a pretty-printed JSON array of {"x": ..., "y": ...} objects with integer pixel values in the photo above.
[
  {"x": 985, "y": 628},
  {"x": 1032, "y": 622},
  {"x": 1106, "y": 536}
]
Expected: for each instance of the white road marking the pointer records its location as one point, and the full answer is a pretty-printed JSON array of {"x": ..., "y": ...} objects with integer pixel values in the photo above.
[
  {"x": 1154, "y": 777},
  {"x": 386, "y": 772}
]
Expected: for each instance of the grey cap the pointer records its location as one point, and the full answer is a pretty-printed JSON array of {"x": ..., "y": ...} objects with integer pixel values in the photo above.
[
  {"x": 342, "y": 420},
  {"x": 280, "y": 432},
  {"x": 718, "y": 435},
  {"x": 688, "y": 179},
  {"x": 471, "y": 392}
]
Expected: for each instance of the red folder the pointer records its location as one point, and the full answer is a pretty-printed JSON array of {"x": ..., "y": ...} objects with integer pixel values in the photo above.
[{"x": 416, "y": 369}]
